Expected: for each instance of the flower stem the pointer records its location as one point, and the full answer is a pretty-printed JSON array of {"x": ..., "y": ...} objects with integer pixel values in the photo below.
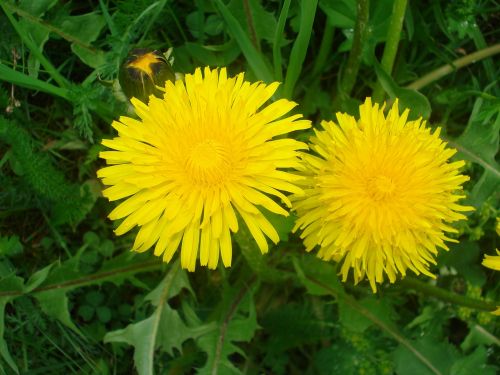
[
  {"x": 391, "y": 45},
  {"x": 360, "y": 30},
  {"x": 447, "y": 296},
  {"x": 455, "y": 65}
]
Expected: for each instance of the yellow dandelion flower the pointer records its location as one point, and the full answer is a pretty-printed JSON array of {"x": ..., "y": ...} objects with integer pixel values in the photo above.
[
  {"x": 492, "y": 261},
  {"x": 198, "y": 157},
  {"x": 379, "y": 194}
]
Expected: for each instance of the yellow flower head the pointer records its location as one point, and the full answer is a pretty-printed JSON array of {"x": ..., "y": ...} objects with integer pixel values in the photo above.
[
  {"x": 196, "y": 158},
  {"x": 379, "y": 194},
  {"x": 492, "y": 261}
]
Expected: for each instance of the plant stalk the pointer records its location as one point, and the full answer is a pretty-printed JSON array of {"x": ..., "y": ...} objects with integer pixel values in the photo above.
[
  {"x": 455, "y": 65},
  {"x": 391, "y": 45},
  {"x": 354, "y": 61},
  {"x": 447, "y": 296}
]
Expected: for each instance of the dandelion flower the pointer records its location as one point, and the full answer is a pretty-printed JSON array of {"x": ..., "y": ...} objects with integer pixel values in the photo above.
[
  {"x": 198, "y": 157},
  {"x": 492, "y": 261},
  {"x": 379, "y": 194}
]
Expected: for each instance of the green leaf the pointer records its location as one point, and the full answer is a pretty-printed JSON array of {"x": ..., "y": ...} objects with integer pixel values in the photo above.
[
  {"x": 353, "y": 320},
  {"x": 37, "y": 278},
  {"x": 473, "y": 363},
  {"x": 255, "y": 59},
  {"x": 341, "y": 13},
  {"x": 237, "y": 323},
  {"x": 324, "y": 275},
  {"x": 263, "y": 21},
  {"x": 11, "y": 284},
  {"x": 441, "y": 355},
  {"x": 10, "y": 246},
  {"x": 478, "y": 335},
  {"x": 163, "y": 329},
  {"x": 299, "y": 49},
  {"x": 54, "y": 303},
  {"x": 417, "y": 103},
  {"x": 479, "y": 144}
]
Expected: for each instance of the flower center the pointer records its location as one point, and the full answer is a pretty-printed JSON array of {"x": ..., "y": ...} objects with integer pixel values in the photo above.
[
  {"x": 208, "y": 163},
  {"x": 380, "y": 187}
]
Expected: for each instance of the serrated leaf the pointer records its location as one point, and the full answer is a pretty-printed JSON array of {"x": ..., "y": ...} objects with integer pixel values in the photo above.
[
  {"x": 474, "y": 363},
  {"x": 350, "y": 317},
  {"x": 54, "y": 303},
  {"x": 163, "y": 329},
  {"x": 479, "y": 144},
  {"x": 440, "y": 356},
  {"x": 324, "y": 275},
  {"x": 237, "y": 323}
]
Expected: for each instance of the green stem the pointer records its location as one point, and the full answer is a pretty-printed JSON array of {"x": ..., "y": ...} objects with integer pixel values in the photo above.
[
  {"x": 455, "y": 65},
  {"x": 447, "y": 296},
  {"x": 354, "y": 61},
  {"x": 391, "y": 45},
  {"x": 26, "y": 38},
  {"x": 389, "y": 330},
  {"x": 88, "y": 279},
  {"x": 278, "y": 36},
  {"x": 325, "y": 49}
]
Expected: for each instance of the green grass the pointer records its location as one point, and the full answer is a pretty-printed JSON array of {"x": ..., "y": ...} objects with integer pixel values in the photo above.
[{"x": 75, "y": 300}]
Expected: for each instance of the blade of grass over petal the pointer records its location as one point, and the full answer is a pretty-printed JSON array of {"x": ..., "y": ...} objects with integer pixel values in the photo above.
[
  {"x": 254, "y": 58},
  {"x": 299, "y": 49},
  {"x": 278, "y": 38}
]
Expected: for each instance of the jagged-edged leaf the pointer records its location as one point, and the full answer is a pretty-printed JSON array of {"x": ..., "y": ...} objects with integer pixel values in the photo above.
[
  {"x": 164, "y": 329},
  {"x": 440, "y": 357},
  {"x": 54, "y": 303},
  {"x": 324, "y": 274},
  {"x": 237, "y": 323},
  {"x": 353, "y": 320},
  {"x": 474, "y": 362},
  {"x": 479, "y": 144}
]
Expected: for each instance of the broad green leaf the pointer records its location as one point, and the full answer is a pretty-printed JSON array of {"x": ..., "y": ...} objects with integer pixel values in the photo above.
[
  {"x": 479, "y": 144},
  {"x": 353, "y": 320},
  {"x": 473, "y": 363},
  {"x": 255, "y": 59},
  {"x": 319, "y": 277},
  {"x": 237, "y": 323},
  {"x": 417, "y": 103},
  {"x": 10, "y": 246},
  {"x": 442, "y": 356},
  {"x": 54, "y": 303},
  {"x": 478, "y": 335},
  {"x": 264, "y": 22},
  {"x": 164, "y": 329},
  {"x": 341, "y": 13}
]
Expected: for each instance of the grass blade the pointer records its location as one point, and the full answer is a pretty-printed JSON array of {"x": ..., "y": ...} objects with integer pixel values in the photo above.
[
  {"x": 299, "y": 49},
  {"x": 254, "y": 58}
]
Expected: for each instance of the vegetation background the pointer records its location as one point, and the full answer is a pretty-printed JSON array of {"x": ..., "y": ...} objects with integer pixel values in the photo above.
[{"x": 75, "y": 300}]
